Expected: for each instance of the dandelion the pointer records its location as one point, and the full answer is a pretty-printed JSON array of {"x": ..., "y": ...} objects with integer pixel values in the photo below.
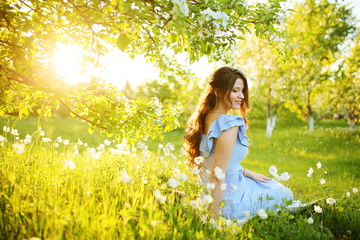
[
  {"x": 355, "y": 190},
  {"x": 317, "y": 209},
  {"x": 310, "y": 172},
  {"x": 330, "y": 201},
  {"x": 219, "y": 173},
  {"x": 19, "y": 148},
  {"x": 310, "y": 220},
  {"x": 198, "y": 160},
  {"x": 195, "y": 170},
  {"x": 348, "y": 194},
  {"x": 172, "y": 182},
  {"x": 125, "y": 177},
  {"x": 318, "y": 165},
  {"x": 161, "y": 198},
  {"x": 210, "y": 186},
  {"x": 69, "y": 164},
  {"x": 262, "y": 214},
  {"x": 223, "y": 186},
  {"x": 207, "y": 198},
  {"x": 322, "y": 181}
]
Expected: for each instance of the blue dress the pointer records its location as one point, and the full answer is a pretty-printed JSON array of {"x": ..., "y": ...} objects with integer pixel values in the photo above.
[{"x": 242, "y": 194}]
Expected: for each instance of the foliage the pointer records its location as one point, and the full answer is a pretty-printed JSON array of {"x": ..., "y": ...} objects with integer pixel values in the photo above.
[
  {"x": 317, "y": 29},
  {"x": 184, "y": 90},
  {"x": 32, "y": 30},
  {"x": 347, "y": 85}
]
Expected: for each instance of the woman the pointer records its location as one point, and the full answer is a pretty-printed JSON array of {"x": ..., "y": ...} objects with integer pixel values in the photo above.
[{"x": 220, "y": 138}]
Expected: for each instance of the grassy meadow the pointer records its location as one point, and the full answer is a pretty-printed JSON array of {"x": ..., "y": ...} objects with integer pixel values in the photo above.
[{"x": 63, "y": 183}]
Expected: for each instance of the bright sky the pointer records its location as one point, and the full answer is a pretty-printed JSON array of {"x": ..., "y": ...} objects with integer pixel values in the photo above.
[{"x": 118, "y": 68}]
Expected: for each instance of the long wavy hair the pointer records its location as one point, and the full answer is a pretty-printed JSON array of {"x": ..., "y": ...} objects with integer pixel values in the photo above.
[{"x": 219, "y": 86}]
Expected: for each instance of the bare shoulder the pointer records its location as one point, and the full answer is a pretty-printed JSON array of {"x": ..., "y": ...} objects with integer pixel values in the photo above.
[{"x": 209, "y": 119}]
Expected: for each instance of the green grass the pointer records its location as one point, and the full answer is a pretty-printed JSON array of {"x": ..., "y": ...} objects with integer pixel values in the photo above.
[{"x": 41, "y": 196}]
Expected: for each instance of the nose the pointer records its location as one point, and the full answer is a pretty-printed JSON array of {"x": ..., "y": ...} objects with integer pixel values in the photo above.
[{"x": 241, "y": 95}]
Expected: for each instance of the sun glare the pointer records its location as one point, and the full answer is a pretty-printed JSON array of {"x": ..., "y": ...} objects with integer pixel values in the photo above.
[{"x": 67, "y": 61}]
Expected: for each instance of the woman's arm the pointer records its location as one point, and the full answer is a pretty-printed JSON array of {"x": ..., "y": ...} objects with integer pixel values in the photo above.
[
  {"x": 223, "y": 149},
  {"x": 256, "y": 176}
]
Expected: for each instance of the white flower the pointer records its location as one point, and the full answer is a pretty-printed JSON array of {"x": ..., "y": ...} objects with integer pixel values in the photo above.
[
  {"x": 69, "y": 164},
  {"x": 223, "y": 186},
  {"x": 234, "y": 187},
  {"x": 125, "y": 177},
  {"x": 310, "y": 220},
  {"x": 355, "y": 190},
  {"x": 262, "y": 214},
  {"x": 210, "y": 186},
  {"x": 330, "y": 201},
  {"x": 14, "y": 132},
  {"x": 66, "y": 142},
  {"x": 207, "y": 198},
  {"x": 46, "y": 140},
  {"x": 172, "y": 182},
  {"x": 183, "y": 177},
  {"x": 194, "y": 203},
  {"x": 273, "y": 171},
  {"x": 221, "y": 18},
  {"x": 59, "y": 139},
  {"x": 318, "y": 165},
  {"x": 348, "y": 194},
  {"x": 144, "y": 180},
  {"x": 317, "y": 209},
  {"x": 198, "y": 160},
  {"x": 180, "y": 7},
  {"x": 56, "y": 144},
  {"x": 310, "y": 172},
  {"x": 27, "y": 139},
  {"x": 161, "y": 198},
  {"x": 107, "y": 142},
  {"x": 322, "y": 181},
  {"x": 219, "y": 173},
  {"x": 19, "y": 148},
  {"x": 246, "y": 214},
  {"x": 6, "y": 129},
  {"x": 195, "y": 170},
  {"x": 284, "y": 176}
]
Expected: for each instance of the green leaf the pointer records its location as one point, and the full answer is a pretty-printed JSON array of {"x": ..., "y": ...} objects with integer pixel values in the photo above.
[{"x": 123, "y": 41}]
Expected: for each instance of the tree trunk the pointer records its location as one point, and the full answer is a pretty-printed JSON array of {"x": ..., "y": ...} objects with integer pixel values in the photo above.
[
  {"x": 311, "y": 123},
  {"x": 270, "y": 125}
]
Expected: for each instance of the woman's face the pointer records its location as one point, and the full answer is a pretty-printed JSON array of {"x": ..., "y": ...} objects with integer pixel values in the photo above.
[{"x": 236, "y": 95}]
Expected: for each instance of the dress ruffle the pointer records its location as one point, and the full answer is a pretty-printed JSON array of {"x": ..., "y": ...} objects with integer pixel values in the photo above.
[{"x": 224, "y": 122}]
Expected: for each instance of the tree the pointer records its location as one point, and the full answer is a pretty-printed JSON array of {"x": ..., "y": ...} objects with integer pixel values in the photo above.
[
  {"x": 30, "y": 31},
  {"x": 259, "y": 59},
  {"x": 346, "y": 87},
  {"x": 317, "y": 29}
]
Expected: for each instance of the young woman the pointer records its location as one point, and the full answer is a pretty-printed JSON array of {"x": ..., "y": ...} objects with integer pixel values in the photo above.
[{"x": 220, "y": 138}]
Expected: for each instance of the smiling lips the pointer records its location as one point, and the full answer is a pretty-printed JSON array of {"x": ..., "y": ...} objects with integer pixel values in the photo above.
[{"x": 238, "y": 102}]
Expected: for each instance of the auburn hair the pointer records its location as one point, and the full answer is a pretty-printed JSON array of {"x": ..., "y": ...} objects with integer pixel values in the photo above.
[{"x": 219, "y": 86}]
